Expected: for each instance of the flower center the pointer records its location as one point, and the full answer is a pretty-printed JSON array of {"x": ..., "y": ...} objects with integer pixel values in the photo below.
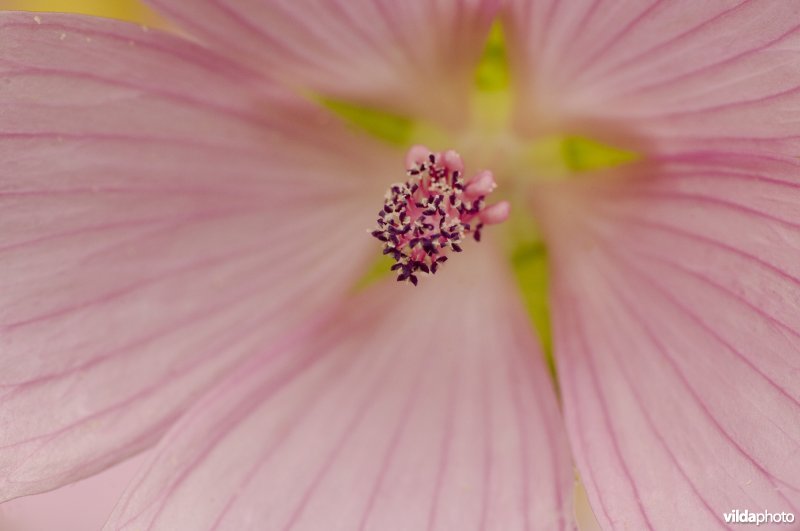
[{"x": 434, "y": 211}]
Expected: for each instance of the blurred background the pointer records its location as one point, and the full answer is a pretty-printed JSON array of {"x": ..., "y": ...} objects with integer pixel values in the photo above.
[{"x": 123, "y": 9}]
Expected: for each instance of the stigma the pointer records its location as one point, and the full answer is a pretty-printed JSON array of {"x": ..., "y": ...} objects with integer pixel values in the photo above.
[{"x": 434, "y": 212}]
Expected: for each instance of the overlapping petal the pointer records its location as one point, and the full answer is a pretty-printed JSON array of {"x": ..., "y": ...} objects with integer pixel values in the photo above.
[
  {"x": 161, "y": 222},
  {"x": 432, "y": 411},
  {"x": 677, "y": 334},
  {"x": 663, "y": 74},
  {"x": 413, "y": 57}
]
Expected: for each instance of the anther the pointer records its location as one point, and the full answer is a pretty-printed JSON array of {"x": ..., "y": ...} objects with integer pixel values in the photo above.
[{"x": 432, "y": 212}]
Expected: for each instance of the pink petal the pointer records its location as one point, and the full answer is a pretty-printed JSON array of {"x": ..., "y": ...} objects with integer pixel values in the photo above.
[
  {"x": 432, "y": 411},
  {"x": 676, "y": 74},
  {"x": 82, "y": 506},
  {"x": 415, "y": 56},
  {"x": 677, "y": 336},
  {"x": 162, "y": 217}
]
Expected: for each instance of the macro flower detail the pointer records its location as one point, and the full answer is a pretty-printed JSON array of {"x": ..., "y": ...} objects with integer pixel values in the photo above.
[
  {"x": 185, "y": 270},
  {"x": 433, "y": 212}
]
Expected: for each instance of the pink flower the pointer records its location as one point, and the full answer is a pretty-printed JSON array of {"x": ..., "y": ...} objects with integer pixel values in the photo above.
[{"x": 183, "y": 227}]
